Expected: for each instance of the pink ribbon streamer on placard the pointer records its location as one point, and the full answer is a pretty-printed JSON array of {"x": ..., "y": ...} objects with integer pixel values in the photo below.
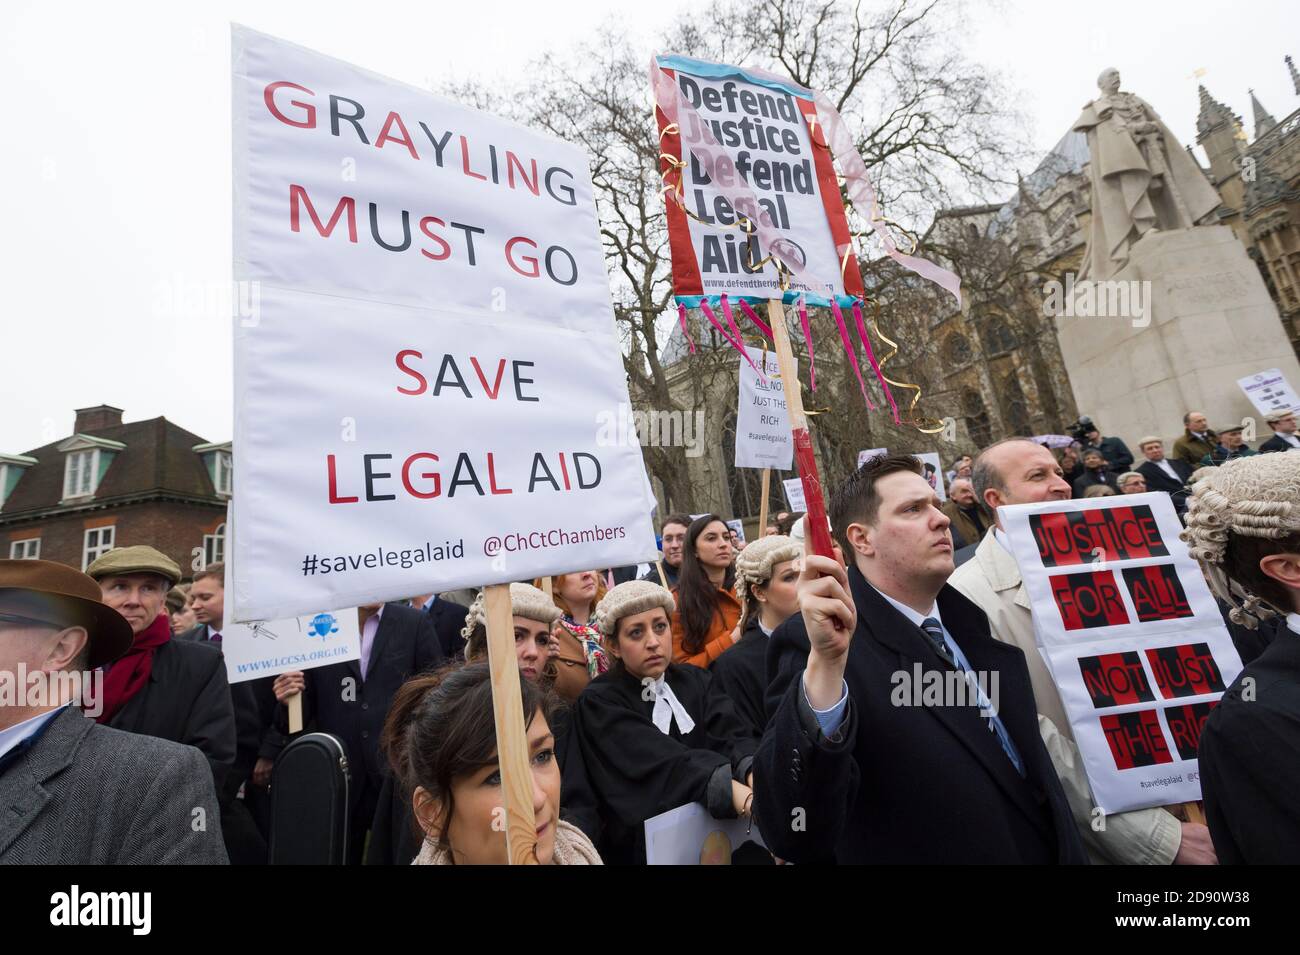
[
  {"x": 871, "y": 357},
  {"x": 849, "y": 350},
  {"x": 753, "y": 317},
  {"x": 686, "y": 330},
  {"x": 807, "y": 340},
  {"x": 735, "y": 343}
]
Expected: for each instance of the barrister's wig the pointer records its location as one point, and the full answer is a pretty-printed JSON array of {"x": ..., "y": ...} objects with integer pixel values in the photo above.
[
  {"x": 633, "y": 597},
  {"x": 525, "y": 601},
  {"x": 1240, "y": 512},
  {"x": 754, "y": 564}
]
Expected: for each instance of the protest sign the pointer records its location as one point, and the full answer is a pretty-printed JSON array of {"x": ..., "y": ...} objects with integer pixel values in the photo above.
[
  {"x": 870, "y": 454},
  {"x": 751, "y": 130},
  {"x": 688, "y": 835},
  {"x": 1131, "y": 635},
  {"x": 794, "y": 494},
  {"x": 414, "y": 394},
  {"x": 1269, "y": 392},
  {"x": 762, "y": 423},
  {"x": 932, "y": 471}
]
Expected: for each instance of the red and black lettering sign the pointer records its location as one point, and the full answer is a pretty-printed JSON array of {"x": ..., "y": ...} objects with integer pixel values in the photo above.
[
  {"x": 1185, "y": 725},
  {"x": 1081, "y": 537},
  {"x": 1113, "y": 679},
  {"x": 1136, "y": 739},
  {"x": 1187, "y": 670},
  {"x": 1157, "y": 592},
  {"x": 1089, "y": 600}
]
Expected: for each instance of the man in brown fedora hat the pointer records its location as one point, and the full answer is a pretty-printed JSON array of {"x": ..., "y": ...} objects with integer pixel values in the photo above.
[{"x": 74, "y": 792}]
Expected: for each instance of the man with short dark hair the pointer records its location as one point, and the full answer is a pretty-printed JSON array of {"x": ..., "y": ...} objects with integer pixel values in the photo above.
[
  {"x": 1019, "y": 471},
  {"x": 673, "y": 535},
  {"x": 1284, "y": 432},
  {"x": 1197, "y": 440},
  {"x": 76, "y": 792},
  {"x": 1116, "y": 453},
  {"x": 1094, "y": 472},
  {"x": 877, "y": 776}
]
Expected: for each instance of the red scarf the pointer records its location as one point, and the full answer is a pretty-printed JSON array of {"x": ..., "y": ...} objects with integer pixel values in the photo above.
[{"x": 129, "y": 674}]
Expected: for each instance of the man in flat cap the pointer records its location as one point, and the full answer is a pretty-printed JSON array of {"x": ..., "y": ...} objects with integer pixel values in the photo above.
[
  {"x": 172, "y": 689},
  {"x": 72, "y": 791},
  {"x": 1230, "y": 447}
]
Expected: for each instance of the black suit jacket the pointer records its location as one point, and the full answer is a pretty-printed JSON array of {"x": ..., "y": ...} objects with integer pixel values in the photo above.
[
  {"x": 254, "y": 707},
  {"x": 1158, "y": 481},
  {"x": 448, "y": 619},
  {"x": 907, "y": 784},
  {"x": 1277, "y": 443},
  {"x": 187, "y": 700},
  {"x": 338, "y": 701}
]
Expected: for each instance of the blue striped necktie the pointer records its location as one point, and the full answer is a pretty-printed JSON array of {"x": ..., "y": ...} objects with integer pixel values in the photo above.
[{"x": 934, "y": 630}]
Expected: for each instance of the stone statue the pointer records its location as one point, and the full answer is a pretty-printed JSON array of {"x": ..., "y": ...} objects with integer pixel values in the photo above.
[{"x": 1142, "y": 180}]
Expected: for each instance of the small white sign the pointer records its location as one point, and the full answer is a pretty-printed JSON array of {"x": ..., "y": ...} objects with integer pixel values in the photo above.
[
  {"x": 794, "y": 494},
  {"x": 762, "y": 422},
  {"x": 932, "y": 471},
  {"x": 1269, "y": 392},
  {"x": 871, "y": 454}
]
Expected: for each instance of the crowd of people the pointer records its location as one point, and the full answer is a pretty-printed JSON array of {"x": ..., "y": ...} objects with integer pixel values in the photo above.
[{"x": 755, "y": 679}]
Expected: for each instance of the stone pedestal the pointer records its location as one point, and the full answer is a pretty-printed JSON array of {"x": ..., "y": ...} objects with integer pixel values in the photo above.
[{"x": 1211, "y": 322}]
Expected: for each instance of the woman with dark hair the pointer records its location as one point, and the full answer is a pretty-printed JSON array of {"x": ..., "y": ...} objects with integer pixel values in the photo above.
[
  {"x": 579, "y": 657},
  {"x": 441, "y": 740},
  {"x": 532, "y": 616},
  {"x": 651, "y": 736},
  {"x": 767, "y": 577},
  {"x": 705, "y": 622}
]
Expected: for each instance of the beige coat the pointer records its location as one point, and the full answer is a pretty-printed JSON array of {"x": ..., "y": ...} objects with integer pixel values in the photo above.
[{"x": 992, "y": 580}]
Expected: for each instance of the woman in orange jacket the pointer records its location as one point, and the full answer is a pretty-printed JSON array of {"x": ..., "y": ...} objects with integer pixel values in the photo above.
[{"x": 708, "y": 613}]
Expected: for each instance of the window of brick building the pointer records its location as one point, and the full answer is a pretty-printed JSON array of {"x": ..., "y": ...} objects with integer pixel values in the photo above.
[
  {"x": 81, "y": 473},
  {"x": 214, "y": 546},
  {"x": 222, "y": 478},
  {"x": 25, "y": 550},
  {"x": 99, "y": 541}
]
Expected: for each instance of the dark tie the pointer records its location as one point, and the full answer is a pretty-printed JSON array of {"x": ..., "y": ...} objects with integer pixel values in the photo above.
[
  {"x": 934, "y": 630},
  {"x": 214, "y": 636}
]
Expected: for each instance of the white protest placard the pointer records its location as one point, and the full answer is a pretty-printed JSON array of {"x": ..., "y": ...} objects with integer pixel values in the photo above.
[
  {"x": 871, "y": 454},
  {"x": 794, "y": 494},
  {"x": 762, "y": 424},
  {"x": 418, "y": 387},
  {"x": 932, "y": 471},
  {"x": 1269, "y": 392},
  {"x": 688, "y": 835},
  {"x": 1132, "y": 637}
]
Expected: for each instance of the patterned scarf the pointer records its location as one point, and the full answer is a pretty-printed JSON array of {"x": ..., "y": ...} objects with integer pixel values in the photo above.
[{"x": 589, "y": 637}]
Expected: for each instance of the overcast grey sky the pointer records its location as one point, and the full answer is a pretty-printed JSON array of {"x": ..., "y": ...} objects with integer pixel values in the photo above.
[{"x": 115, "y": 256}]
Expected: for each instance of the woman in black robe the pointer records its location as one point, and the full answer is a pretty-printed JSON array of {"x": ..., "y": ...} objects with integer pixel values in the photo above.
[
  {"x": 767, "y": 577},
  {"x": 651, "y": 736}
]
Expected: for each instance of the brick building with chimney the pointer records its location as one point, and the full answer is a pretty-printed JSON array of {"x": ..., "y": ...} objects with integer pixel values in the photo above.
[{"x": 113, "y": 484}]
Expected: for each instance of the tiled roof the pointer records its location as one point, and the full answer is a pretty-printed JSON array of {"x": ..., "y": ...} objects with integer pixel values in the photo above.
[{"x": 158, "y": 457}]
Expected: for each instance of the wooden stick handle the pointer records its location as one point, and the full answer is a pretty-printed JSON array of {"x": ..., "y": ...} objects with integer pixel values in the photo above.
[
  {"x": 295, "y": 712},
  {"x": 548, "y": 586},
  {"x": 762, "y": 508},
  {"x": 1194, "y": 812},
  {"x": 512, "y": 736},
  {"x": 659, "y": 566},
  {"x": 817, "y": 532}
]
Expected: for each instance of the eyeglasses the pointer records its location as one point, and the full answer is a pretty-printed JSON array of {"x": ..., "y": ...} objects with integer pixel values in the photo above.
[{"x": 17, "y": 620}]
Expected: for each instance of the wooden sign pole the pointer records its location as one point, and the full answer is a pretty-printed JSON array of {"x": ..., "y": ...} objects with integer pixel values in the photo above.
[
  {"x": 762, "y": 508},
  {"x": 548, "y": 586},
  {"x": 512, "y": 736},
  {"x": 659, "y": 566},
  {"x": 295, "y": 712},
  {"x": 818, "y": 533}
]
